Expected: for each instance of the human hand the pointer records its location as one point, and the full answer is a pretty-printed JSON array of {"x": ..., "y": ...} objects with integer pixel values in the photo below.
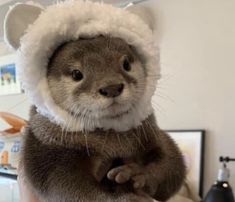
[{"x": 25, "y": 194}]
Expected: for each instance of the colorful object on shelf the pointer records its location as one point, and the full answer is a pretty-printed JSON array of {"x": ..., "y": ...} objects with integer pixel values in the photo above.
[
  {"x": 10, "y": 140},
  {"x": 9, "y": 82},
  {"x": 4, "y": 158},
  {"x": 16, "y": 122}
]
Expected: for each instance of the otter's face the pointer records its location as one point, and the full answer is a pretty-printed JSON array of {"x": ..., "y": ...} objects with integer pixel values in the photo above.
[{"x": 97, "y": 78}]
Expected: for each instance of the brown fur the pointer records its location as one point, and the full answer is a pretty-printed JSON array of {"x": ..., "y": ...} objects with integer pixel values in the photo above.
[
  {"x": 103, "y": 165},
  {"x": 62, "y": 170}
]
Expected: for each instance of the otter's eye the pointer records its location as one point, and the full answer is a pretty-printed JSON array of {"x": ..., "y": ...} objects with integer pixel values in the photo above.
[
  {"x": 77, "y": 75},
  {"x": 126, "y": 64}
]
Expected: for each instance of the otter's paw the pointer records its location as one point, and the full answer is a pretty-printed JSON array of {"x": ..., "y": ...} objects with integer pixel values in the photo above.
[{"x": 128, "y": 172}]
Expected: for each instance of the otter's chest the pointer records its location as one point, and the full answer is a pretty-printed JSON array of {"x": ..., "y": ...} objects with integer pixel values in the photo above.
[{"x": 92, "y": 162}]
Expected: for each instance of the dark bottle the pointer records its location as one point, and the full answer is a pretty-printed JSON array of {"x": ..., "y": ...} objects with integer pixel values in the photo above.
[{"x": 221, "y": 191}]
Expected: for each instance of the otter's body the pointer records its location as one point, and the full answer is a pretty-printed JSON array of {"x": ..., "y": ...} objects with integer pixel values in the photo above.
[{"x": 66, "y": 167}]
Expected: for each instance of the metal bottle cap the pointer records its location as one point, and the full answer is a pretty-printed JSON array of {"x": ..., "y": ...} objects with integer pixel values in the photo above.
[{"x": 224, "y": 174}]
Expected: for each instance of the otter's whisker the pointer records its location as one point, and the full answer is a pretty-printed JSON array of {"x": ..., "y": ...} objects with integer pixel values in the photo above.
[
  {"x": 117, "y": 135},
  {"x": 105, "y": 139},
  {"x": 138, "y": 139},
  {"x": 87, "y": 146},
  {"x": 151, "y": 127},
  {"x": 145, "y": 135}
]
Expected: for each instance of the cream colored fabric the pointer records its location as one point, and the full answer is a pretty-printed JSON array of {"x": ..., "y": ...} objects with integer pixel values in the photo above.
[
  {"x": 186, "y": 194},
  {"x": 179, "y": 198},
  {"x": 17, "y": 21}
]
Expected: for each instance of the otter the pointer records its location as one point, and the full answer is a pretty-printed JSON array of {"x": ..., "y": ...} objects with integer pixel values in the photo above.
[{"x": 99, "y": 80}]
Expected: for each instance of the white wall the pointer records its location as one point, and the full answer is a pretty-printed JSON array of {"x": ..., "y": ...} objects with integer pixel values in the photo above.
[
  {"x": 197, "y": 40},
  {"x": 16, "y": 104}
]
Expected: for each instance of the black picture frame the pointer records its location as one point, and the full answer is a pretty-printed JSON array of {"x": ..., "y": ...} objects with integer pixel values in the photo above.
[{"x": 201, "y": 135}]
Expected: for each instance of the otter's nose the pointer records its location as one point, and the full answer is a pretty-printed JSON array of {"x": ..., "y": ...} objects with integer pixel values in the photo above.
[{"x": 112, "y": 90}]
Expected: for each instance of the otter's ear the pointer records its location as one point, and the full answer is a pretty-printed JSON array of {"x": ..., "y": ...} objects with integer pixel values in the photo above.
[
  {"x": 17, "y": 20},
  {"x": 144, "y": 12}
]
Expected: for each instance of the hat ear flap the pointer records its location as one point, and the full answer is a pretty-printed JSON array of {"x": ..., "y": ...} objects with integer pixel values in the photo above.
[
  {"x": 144, "y": 13},
  {"x": 17, "y": 20}
]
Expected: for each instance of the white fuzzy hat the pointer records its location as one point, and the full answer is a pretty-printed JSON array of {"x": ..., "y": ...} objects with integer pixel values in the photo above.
[{"x": 36, "y": 32}]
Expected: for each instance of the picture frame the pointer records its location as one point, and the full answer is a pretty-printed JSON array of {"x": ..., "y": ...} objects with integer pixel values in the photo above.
[
  {"x": 192, "y": 145},
  {"x": 9, "y": 82}
]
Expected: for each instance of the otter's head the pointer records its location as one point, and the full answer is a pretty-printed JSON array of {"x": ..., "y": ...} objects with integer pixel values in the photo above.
[
  {"x": 87, "y": 83},
  {"x": 98, "y": 81}
]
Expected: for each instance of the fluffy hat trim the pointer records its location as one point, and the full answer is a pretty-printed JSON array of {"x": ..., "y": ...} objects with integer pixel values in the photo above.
[{"x": 68, "y": 21}]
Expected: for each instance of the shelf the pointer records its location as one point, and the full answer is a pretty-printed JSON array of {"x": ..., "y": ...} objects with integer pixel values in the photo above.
[{"x": 12, "y": 174}]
